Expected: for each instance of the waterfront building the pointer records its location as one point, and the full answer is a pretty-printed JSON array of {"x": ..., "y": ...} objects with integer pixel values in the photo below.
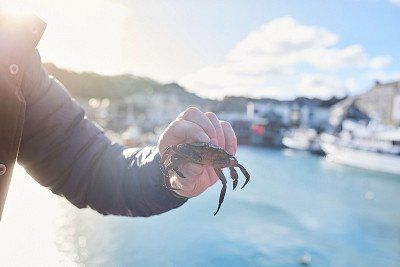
[
  {"x": 301, "y": 112},
  {"x": 381, "y": 103}
]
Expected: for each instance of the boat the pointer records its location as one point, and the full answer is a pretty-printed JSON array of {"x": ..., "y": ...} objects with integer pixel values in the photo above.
[
  {"x": 374, "y": 147},
  {"x": 303, "y": 139}
]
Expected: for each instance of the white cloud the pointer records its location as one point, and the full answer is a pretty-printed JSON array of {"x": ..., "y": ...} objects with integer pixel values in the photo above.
[
  {"x": 321, "y": 86},
  {"x": 274, "y": 60},
  {"x": 385, "y": 76},
  {"x": 380, "y": 62},
  {"x": 284, "y": 42},
  {"x": 351, "y": 85}
]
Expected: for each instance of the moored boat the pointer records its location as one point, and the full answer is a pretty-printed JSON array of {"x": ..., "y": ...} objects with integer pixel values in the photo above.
[
  {"x": 371, "y": 147},
  {"x": 304, "y": 140}
]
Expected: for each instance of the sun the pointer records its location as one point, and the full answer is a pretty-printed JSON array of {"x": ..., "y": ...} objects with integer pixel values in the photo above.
[
  {"x": 16, "y": 9},
  {"x": 79, "y": 34}
]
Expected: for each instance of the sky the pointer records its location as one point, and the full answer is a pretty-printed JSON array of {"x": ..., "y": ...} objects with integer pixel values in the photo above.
[{"x": 281, "y": 49}]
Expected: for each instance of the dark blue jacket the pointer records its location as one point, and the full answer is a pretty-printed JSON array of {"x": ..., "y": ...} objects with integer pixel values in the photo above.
[{"x": 69, "y": 154}]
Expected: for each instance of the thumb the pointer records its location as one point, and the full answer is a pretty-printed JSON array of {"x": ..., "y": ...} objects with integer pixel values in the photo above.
[
  {"x": 192, "y": 169},
  {"x": 192, "y": 173}
]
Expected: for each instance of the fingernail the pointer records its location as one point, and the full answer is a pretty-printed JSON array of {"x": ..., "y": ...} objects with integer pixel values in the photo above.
[
  {"x": 203, "y": 137},
  {"x": 230, "y": 150},
  {"x": 214, "y": 141}
]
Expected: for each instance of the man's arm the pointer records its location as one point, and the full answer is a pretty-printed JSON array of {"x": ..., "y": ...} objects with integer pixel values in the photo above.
[{"x": 66, "y": 152}]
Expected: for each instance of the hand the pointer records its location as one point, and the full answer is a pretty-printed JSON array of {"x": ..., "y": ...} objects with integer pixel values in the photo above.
[{"x": 190, "y": 126}]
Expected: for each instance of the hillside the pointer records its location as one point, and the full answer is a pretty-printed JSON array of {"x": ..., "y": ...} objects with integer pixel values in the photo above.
[
  {"x": 91, "y": 85},
  {"x": 117, "y": 88}
]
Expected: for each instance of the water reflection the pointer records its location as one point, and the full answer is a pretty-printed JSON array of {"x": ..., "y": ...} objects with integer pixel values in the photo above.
[
  {"x": 30, "y": 226},
  {"x": 297, "y": 207},
  {"x": 40, "y": 228}
]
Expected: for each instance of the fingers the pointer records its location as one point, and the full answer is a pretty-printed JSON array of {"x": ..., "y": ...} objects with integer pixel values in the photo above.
[
  {"x": 220, "y": 139},
  {"x": 230, "y": 138},
  {"x": 196, "y": 116},
  {"x": 194, "y": 185},
  {"x": 196, "y": 180},
  {"x": 192, "y": 169},
  {"x": 194, "y": 126},
  {"x": 181, "y": 131}
]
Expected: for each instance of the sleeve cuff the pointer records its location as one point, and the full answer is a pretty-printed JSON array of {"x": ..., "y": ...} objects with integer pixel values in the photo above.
[
  {"x": 172, "y": 195},
  {"x": 146, "y": 179}
]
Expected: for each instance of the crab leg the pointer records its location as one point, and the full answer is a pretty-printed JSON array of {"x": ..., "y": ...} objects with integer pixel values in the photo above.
[
  {"x": 221, "y": 176},
  {"x": 167, "y": 153},
  {"x": 245, "y": 173},
  {"x": 167, "y": 181},
  {"x": 176, "y": 161},
  {"x": 180, "y": 174},
  {"x": 234, "y": 176}
]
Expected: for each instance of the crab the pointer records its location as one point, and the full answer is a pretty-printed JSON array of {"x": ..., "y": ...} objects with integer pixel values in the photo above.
[{"x": 204, "y": 154}]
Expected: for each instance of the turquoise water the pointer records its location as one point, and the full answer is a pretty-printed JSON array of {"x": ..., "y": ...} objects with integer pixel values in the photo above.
[{"x": 296, "y": 204}]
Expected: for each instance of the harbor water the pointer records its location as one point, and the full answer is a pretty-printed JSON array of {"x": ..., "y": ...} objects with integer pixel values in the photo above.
[{"x": 297, "y": 206}]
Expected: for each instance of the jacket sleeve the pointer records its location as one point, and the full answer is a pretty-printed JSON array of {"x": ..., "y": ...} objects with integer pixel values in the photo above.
[{"x": 69, "y": 154}]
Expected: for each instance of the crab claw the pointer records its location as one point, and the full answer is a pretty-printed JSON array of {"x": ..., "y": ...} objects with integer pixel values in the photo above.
[
  {"x": 234, "y": 176},
  {"x": 245, "y": 173},
  {"x": 180, "y": 174}
]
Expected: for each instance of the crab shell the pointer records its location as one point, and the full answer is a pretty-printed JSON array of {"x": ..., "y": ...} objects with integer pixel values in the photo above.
[{"x": 206, "y": 154}]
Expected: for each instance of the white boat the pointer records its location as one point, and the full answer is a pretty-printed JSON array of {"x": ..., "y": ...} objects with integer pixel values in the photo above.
[
  {"x": 304, "y": 140},
  {"x": 371, "y": 147}
]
